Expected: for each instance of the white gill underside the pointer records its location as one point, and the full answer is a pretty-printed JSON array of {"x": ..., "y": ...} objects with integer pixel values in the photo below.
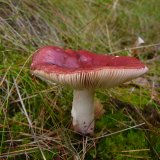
[{"x": 101, "y": 78}]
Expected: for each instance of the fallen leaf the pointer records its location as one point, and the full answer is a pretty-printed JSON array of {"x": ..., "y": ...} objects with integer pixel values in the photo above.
[{"x": 142, "y": 82}]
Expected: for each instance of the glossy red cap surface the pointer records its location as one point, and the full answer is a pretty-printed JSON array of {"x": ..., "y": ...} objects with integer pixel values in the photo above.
[
  {"x": 51, "y": 58},
  {"x": 59, "y": 65}
]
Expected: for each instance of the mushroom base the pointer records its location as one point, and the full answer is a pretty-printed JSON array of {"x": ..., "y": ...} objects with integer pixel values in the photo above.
[{"x": 83, "y": 111}]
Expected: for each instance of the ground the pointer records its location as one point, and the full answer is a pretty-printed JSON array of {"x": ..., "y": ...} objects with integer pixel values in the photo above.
[{"x": 35, "y": 120}]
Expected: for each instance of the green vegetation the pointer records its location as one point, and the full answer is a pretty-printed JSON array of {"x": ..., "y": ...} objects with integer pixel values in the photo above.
[{"x": 35, "y": 121}]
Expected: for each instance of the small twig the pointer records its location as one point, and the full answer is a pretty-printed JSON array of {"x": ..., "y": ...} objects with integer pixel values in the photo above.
[
  {"x": 134, "y": 156},
  {"x": 85, "y": 140},
  {"x": 133, "y": 48},
  {"x": 28, "y": 119},
  {"x": 136, "y": 150},
  {"x": 107, "y": 135},
  {"x": 28, "y": 150}
]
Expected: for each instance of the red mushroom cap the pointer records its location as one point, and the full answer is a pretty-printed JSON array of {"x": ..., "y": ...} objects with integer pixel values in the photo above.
[{"x": 83, "y": 69}]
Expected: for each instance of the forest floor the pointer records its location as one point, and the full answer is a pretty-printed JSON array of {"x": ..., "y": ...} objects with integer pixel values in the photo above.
[{"x": 35, "y": 118}]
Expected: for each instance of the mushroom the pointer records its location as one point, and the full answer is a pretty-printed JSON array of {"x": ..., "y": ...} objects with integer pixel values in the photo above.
[{"x": 84, "y": 72}]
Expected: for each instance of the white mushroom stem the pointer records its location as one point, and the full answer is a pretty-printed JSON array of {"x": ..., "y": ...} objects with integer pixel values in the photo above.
[{"x": 83, "y": 111}]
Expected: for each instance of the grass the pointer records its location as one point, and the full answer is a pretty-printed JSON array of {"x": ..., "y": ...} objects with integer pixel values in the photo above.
[{"x": 35, "y": 121}]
